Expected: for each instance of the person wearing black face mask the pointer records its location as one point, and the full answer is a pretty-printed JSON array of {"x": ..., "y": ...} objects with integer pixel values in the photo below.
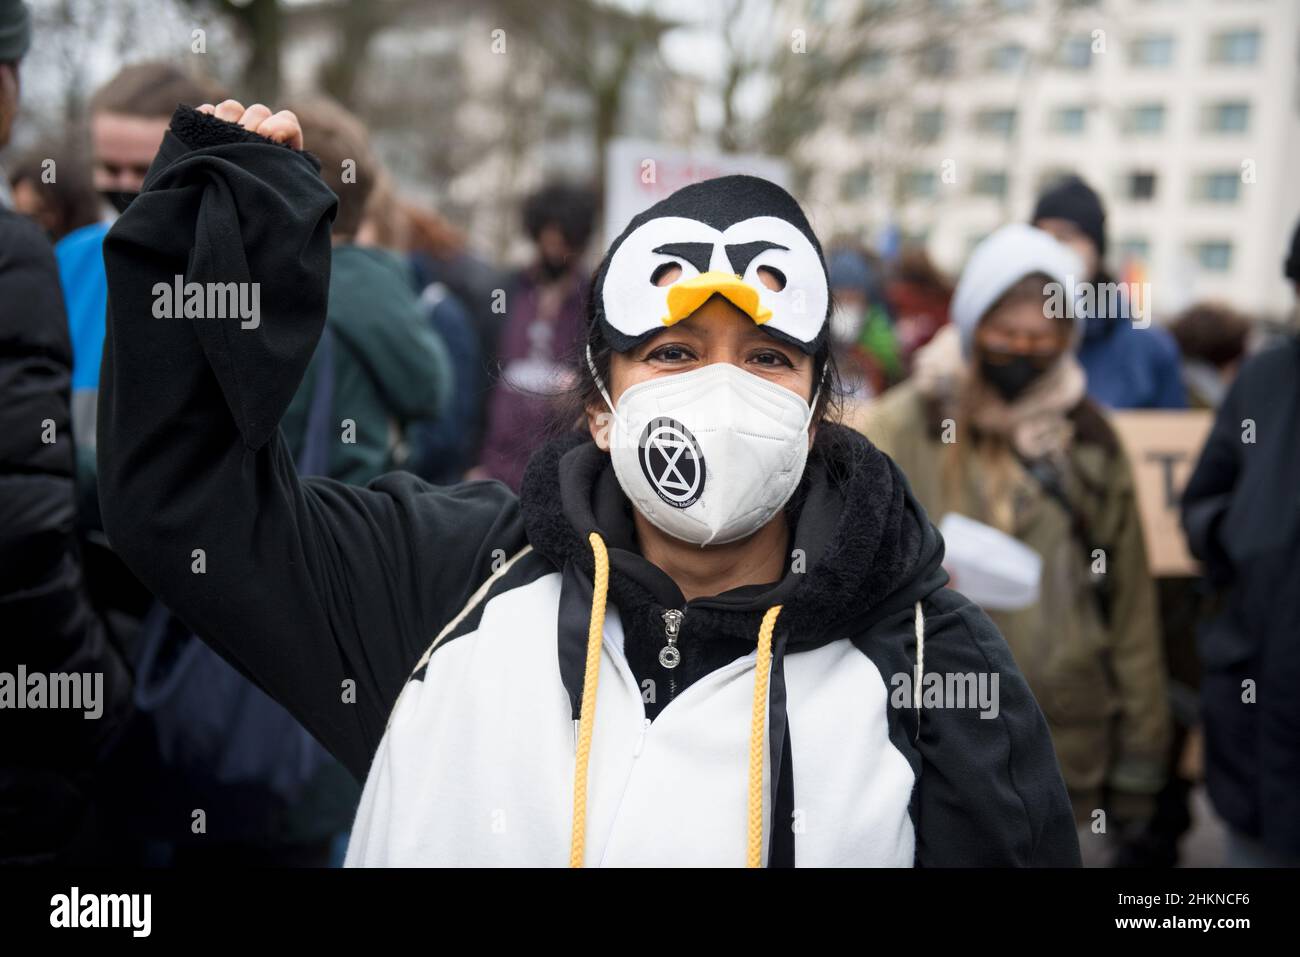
[
  {"x": 544, "y": 324},
  {"x": 995, "y": 425},
  {"x": 1011, "y": 372}
]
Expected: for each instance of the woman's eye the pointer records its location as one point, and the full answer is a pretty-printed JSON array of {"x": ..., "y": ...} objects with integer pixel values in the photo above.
[
  {"x": 671, "y": 354},
  {"x": 773, "y": 359}
]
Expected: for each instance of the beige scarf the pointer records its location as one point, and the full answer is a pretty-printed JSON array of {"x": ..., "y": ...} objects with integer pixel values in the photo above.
[{"x": 1036, "y": 423}]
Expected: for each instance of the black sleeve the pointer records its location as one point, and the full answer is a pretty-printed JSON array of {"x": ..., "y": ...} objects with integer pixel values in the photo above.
[
  {"x": 47, "y": 622},
  {"x": 325, "y": 594},
  {"x": 1208, "y": 492},
  {"x": 991, "y": 792}
]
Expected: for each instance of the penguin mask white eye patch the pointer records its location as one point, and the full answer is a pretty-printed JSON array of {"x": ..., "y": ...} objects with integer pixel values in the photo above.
[{"x": 739, "y": 237}]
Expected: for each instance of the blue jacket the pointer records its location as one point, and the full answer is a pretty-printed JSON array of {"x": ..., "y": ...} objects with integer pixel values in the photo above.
[
  {"x": 85, "y": 293},
  {"x": 1131, "y": 368}
]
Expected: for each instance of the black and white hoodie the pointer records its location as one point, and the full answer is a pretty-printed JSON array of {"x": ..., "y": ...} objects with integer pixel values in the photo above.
[{"x": 435, "y": 638}]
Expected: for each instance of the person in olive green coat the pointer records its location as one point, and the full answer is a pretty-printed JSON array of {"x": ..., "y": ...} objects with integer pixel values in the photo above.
[{"x": 995, "y": 425}]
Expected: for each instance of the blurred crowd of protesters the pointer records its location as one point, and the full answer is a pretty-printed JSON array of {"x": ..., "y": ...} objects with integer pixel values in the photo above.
[{"x": 440, "y": 363}]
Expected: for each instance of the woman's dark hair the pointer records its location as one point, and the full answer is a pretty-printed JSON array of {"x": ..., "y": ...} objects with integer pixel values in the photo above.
[{"x": 585, "y": 391}]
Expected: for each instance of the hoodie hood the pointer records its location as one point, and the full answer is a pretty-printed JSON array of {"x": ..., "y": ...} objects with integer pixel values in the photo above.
[{"x": 866, "y": 546}]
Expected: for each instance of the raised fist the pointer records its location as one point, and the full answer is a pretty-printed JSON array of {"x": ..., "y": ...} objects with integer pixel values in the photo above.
[{"x": 282, "y": 127}]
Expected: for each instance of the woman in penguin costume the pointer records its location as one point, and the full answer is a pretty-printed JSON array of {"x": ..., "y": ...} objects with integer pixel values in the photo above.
[{"x": 712, "y": 630}]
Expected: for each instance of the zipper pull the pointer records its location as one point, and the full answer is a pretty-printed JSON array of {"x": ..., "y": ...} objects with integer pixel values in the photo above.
[
  {"x": 640, "y": 740},
  {"x": 669, "y": 656}
]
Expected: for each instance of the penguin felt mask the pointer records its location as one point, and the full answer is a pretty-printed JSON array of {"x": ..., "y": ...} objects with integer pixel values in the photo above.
[{"x": 739, "y": 237}]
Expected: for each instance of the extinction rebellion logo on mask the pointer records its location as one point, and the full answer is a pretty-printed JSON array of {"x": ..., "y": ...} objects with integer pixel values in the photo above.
[{"x": 672, "y": 462}]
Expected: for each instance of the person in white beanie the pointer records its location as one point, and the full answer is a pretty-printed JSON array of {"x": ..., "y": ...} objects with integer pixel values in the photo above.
[{"x": 995, "y": 425}]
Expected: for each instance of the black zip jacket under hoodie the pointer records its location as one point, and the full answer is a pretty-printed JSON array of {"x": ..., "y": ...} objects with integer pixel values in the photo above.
[{"x": 436, "y": 638}]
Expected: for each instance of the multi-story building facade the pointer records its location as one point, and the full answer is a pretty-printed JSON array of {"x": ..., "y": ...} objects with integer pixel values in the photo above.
[{"x": 1183, "y": 114}]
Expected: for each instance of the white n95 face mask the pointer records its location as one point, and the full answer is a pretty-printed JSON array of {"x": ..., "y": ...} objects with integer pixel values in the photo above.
[{"x": 709, "y": 456}]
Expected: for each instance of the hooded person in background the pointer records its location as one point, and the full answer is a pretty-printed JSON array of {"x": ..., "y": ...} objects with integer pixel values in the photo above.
[
  {"x": 128, "y": 116},
  {"x": 706, "y": 620},
  {"x": 995, "y": 425},
  {"x": 543, "y": 329},
  {"x": 1241, "y": 512},
  {"x": 860, "y": 326},
  {"x": 1127, "y": 367},
  {"x": 51, "y": 630}
]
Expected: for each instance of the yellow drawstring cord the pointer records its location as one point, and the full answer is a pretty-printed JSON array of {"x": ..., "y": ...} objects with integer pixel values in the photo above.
[
  {"x": 762, "y": 670},
  {"x": 587, "y": 717}
]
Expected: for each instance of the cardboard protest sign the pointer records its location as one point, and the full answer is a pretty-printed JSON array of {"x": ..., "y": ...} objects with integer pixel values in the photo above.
[{"x": 1163, "y": 447}]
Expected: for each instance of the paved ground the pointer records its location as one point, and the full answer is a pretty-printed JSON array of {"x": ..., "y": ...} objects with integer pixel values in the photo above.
[{"x": 1205, "y": 844}]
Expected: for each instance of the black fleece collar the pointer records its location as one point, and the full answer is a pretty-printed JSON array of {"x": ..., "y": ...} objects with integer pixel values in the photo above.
[{"x": 866, "y": 543}]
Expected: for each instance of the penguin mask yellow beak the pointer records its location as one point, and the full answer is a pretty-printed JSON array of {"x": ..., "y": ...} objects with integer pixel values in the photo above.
[{"x": 688, "y": 295}]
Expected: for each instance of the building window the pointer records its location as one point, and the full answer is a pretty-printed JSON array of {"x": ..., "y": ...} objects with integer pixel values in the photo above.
[
  {"x": 1232, "y": 116},
  {"x": 1213, "y": 255},
  {"x": 919, "y": 183},
  {"x": 990, "y": 183},
  {"x": 1145, "y": 119},
  {"x": 1069, "y": 119},
  {"x": 856, "y": 184},
  {"x": 996, "y": 122},
  {"x": 874, "y": 61},
  {"x": 1075, "y": 53},
  {"x": 1052, "y": 176},
  {"x": 1007, "y": 58},
  {"x": 1217, "y": 187},
  {"x": 936, "y": 59},
  {"x": 927, "y": 125},
  {"x": 868, "y": 119},
  {"x": 1134, "y": 249},
  {"x": 1154, "y": 50},
  {"x": 1140, "y": 186},
  {"x": 1236, "y": 47}
]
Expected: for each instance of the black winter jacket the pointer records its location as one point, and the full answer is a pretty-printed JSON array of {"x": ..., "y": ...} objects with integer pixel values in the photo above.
[
  {"x": 1241, "y": 511},
  {"x": 50, "y": 635}
]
